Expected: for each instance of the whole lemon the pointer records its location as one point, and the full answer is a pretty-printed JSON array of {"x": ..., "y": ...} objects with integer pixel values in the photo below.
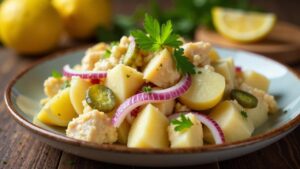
[
  {"x": 82, "y": 17},
  {"x": 30, "y": 26}
]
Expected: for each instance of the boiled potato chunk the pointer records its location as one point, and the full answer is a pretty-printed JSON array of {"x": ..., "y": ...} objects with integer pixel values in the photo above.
[
  {"x": 123, "y": 131},
  {"x": 165, "y": 107},
  {"x": 259, "y": 114},
  {"x": 206, "y": 90},
  {"x": 234, "y": 125},
  {"x": 58, "y": 110},
  {"x": 161, "y": 70},
  {"x": 124, "y": 81},
  {"x": 190, "y": 137},
  {"x": 149, "y": 129},
  {"x": 225, "y": 68},
  {"x": 77, "y": 93},
  {"x": 256, "y": 80}
]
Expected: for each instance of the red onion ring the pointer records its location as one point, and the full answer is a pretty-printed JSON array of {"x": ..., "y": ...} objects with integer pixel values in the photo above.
[
  {"x": 69, "y": 72},
  {"x": 154, "y": 97}
]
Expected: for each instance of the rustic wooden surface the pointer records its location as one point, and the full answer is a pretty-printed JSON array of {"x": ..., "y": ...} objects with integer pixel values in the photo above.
[{"x": 20, "y": 150}]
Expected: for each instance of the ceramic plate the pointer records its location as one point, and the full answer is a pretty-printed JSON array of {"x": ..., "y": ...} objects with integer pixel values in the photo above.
[{"x": 24, "y": 92}]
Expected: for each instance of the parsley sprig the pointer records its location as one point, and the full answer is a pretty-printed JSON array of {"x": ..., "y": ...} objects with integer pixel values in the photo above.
[
  {"x": 182, "y": 122},
  {"x": 56, "y": 74},
  {"x": 147, "y": 89},
  {"x": 157, "y": 37}
]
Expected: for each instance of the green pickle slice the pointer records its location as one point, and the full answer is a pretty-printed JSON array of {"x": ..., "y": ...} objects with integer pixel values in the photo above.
[
  {"x": 101, "y": 98},
  {"x": 245, "y": 99}
]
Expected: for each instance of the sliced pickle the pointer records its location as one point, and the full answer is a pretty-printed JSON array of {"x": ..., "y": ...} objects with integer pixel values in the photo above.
[
  {"x": 101, "y": 98},
  {"x": 245, "y": 99}
]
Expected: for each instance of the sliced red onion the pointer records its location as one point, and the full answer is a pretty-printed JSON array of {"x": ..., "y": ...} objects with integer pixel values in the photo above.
[
  {"x": 154, "y": 97},
  {"x": 212, "y": 125},
  {"x": 69, "y": 72}
]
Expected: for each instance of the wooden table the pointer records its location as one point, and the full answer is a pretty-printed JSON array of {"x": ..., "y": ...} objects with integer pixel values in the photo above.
[{"x": 18, "y": 149}]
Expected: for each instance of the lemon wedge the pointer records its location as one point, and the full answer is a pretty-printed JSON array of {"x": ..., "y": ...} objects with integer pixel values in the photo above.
[{"x": 242, "y": 26}]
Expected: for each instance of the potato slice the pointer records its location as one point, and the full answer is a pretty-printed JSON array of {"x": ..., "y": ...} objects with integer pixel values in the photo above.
[
  {"x": 191, "y": 137},
  {"x": 149, "y": 129},
  {"x": 206, "y": 90},
  {"x": 78, "y": 92},
  {"x": 256, "y": 80},
  {"x": 161, "y": 70},
  {"x": 58, "y": 110},
  {"x": 124, "y": 81},
  {"x": 234, "y": 125}
]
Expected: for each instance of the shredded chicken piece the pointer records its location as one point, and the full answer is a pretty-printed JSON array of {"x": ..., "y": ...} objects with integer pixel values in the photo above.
[
  {"x": 53, "y": 85},
  {"x": 198, "y": 53},
  {"x": 93, "y": 126}
]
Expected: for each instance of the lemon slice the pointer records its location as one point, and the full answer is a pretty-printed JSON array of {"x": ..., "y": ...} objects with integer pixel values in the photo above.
[{"x": 242, "y": 26}]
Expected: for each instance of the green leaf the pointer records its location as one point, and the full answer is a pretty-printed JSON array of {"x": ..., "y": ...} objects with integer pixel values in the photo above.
[
  {"x": 144, "y": 42},
  {"x": 181, "y": 123},
  {"x": 107, "y": 53},
  {"x": 147, "y": 89},
  {"x": 244, "y": 114},
  {"x": 152, "y": 27},
  {"x": 56, "y": 74},
  {"x": 182, "y": 63},
  {"x": 166, "y": 30},
  {"x": 158, "y": 37}
]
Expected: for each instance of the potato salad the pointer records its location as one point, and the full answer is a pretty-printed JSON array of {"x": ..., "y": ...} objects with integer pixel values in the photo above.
[{"x": 153, "y": 90}]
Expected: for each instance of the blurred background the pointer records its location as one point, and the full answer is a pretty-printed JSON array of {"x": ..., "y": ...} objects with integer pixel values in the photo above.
[{"x": 40, "y": 27}]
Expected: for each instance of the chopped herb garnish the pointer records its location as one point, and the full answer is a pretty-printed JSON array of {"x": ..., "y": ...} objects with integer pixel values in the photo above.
[
  {"x": 199, "y": 72},
  {"x": 182, "y": 123},
  {"x": 107, "y": 53},
  {"x": 182, "y": 63},
  {"x": 158, "y": 36},
  {"x": 66, "y": 84},
  {"x": 56, "y": 74},
  {"x": 147, "y": 89},
  {"x": 244, "y": 114}
]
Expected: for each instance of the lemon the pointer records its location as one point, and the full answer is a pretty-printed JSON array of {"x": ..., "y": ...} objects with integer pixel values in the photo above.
[
  {"x": 82, "y": 17},
  {"x": 29, "y": 26},
  {"x": 242, "y": 26}
]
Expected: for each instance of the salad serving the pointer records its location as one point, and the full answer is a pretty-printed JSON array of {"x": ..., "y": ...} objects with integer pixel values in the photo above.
[{"x": 153, "y": 90}]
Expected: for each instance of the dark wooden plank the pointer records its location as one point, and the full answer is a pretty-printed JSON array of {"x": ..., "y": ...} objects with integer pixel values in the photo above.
[
  {"x": 69, "y": 161},
  {"x": 19, "y": 149},
  {"x": 284, "y": 154}
]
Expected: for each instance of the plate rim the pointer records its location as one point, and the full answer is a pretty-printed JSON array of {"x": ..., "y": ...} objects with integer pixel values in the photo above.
[{"x": 292, "y": 124}]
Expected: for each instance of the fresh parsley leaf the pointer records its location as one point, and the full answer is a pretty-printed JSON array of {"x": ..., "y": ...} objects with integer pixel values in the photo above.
[
  {"x": 182, "y": 63},
  {"x": 56, "y": 74},
  {"x": 107, "y": 53},
  {"x": 157, "y": 37},
  {"x": 182, "y": 123},
  {"x": 147, "y": 89},
  {"x": 244, "y": 114}
]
